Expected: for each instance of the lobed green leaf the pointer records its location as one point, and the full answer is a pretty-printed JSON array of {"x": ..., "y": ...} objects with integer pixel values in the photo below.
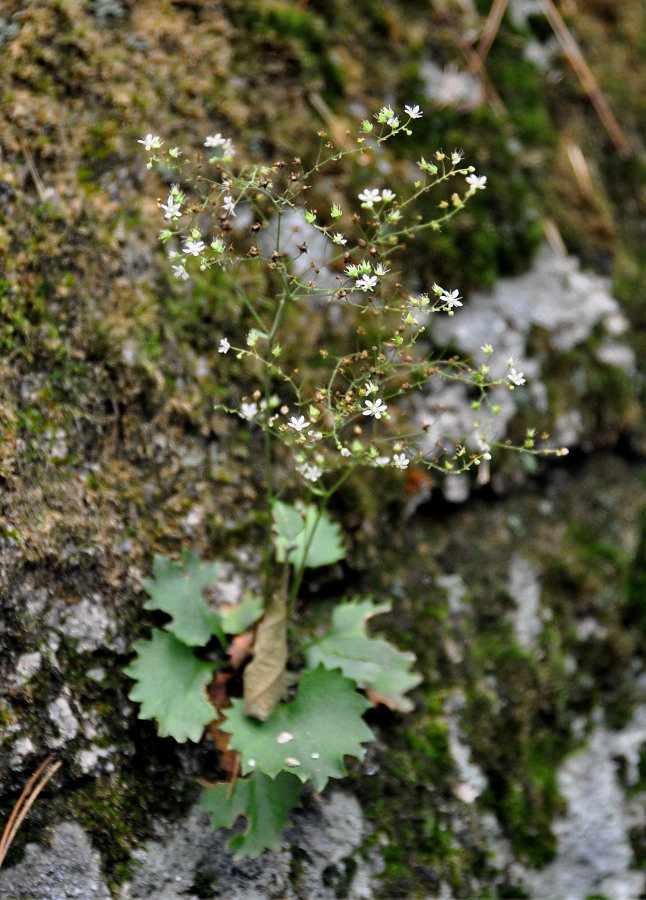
[
  {"x": 264, "y": 801},
  {"x": 308, "y": 736},
  {"x": 372, "y": 662},
  {"x": 171, "y": 686}
]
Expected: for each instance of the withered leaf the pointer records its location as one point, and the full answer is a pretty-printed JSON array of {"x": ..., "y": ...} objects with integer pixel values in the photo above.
[
  {"x": 239, "y": 650},
  {"x": 264, "y": 677}
]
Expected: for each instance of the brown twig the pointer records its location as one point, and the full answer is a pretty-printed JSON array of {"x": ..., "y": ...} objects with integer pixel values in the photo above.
[
  {"x": 24, "y": 803},
  {"x": 473, "y": 59},
  {"x": 585, "y": 76},
  {"x": 491, "y": 27}
]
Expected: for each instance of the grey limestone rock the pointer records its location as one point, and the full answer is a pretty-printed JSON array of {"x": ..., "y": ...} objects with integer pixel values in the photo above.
[{"x": 67, "y": 868}]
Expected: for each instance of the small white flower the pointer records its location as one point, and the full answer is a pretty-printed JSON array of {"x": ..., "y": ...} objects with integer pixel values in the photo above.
[
  {"x": 229, "y": 205},
  {"x": 344, "y": 451},
  {"x": 248, "y": 410},
  {"x": 451, "y": 298},
  {"x": 171, "y": 207},
  {"x": 400, "y": 461},
  {"x": 393, "y": 216},
  {"x": 338, "y": 238},
  {"x": 298, "y": 424},
  {"x": 387, "y": 195},
  {"x": 224, "y": 346},
  {"x": 215, "y": 140},
  {"x": 180, "y": 272},
  {"x": 381, "y": 269},
  {"x": 369, "y": 197},
  {"x": 371, "y": 387},
  {"x": 311, "y": 473},
  {"x": 151, "y": 142},
  {"x": 174, "y": 152},
  {"x": 194, "y": 248},
  {"x": 413, "y": 111},
  {"x": 484, "y": 447},
  {"x": 382, "y": 460},
  {"x": 393, "y": 121},
  {"x": 516, "y": 377},
  {"x": 366, "y": 282},
  {"x": 227, "y": 146},
  {"x": 375, "y": 408},
  {"x": 456, "y": 157},
  {"x": 477, "y": 183},
  {"x": 315, "y": 435}
]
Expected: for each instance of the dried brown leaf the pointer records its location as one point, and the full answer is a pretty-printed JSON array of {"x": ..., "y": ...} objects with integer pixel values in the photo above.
[{"x": 264, "y": 677}]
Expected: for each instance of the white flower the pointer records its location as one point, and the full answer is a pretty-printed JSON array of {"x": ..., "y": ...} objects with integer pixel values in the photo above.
[
  {"x": 400, "y": 461},
  {"x": 224, "y": 346},
  {"x": 456, "y": 157},
  {"x": 227, "y": 146},
  {"x": 151, "y": 142},
  {"x": 315, "y": 435},
  {"x": 171, "y": 207},
  {"x": 298, "y": 424},
  {"x": 338, "y": 238},
  {"x": 381, "y": 269},
  {"x": 311, "y": 473},
  {"x": 369, "y": 197},
  {"x": 413, "y": 111},
  {"x": 477, "y": 183},
  {"x": 371, "y": 387},
  {"x": 229, "y": 205},
  {"x": 248, "y": 410},
  {"x": 382, "y": 460},
  {"x": 344, "y": 451},
  {"x": 194, "y": 248},
  {"x": 215, "y": 140},
  {"x": 516, "y": 377},
  {"x": 180, "y": 272},
  {"x": 366, "y": 282},
  {"x": 393, "y": 121},
  {"x": 387, "y": 195},
  {"x": 375, "y": 408},
  {"x": 484, "y": 447},
  {"x": 451, "y": 298}
]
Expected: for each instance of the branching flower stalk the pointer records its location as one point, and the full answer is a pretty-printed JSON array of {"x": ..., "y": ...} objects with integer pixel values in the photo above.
[{"x": 353, "y": 414}]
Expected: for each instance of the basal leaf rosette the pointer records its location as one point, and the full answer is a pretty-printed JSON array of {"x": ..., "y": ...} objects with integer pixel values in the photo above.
[{"x": 308, "y": 736}]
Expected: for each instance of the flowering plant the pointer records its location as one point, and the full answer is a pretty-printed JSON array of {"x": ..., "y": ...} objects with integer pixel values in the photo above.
[{"x": 349, "y": 410}]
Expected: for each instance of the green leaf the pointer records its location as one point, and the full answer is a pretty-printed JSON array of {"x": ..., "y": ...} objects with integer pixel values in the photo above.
[
  {"x": 306, "y": 543},
  {"x": 372, "y": 662},
  {"x": 309, "y": 736},
  {"x": 236, "y": 619},
  {"x": 180, "y": 595},
  {"x": 263, "y": 800},
  {"x": 171, "y": 686}
]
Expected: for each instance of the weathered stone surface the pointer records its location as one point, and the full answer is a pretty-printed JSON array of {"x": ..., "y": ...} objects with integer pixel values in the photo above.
[{"x": 67, "y": 868}]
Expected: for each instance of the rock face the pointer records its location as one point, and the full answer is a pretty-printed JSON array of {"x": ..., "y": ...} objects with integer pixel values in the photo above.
[
  {"x": 67, "y": 868},
  {"x": 192, "y": 861}
]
